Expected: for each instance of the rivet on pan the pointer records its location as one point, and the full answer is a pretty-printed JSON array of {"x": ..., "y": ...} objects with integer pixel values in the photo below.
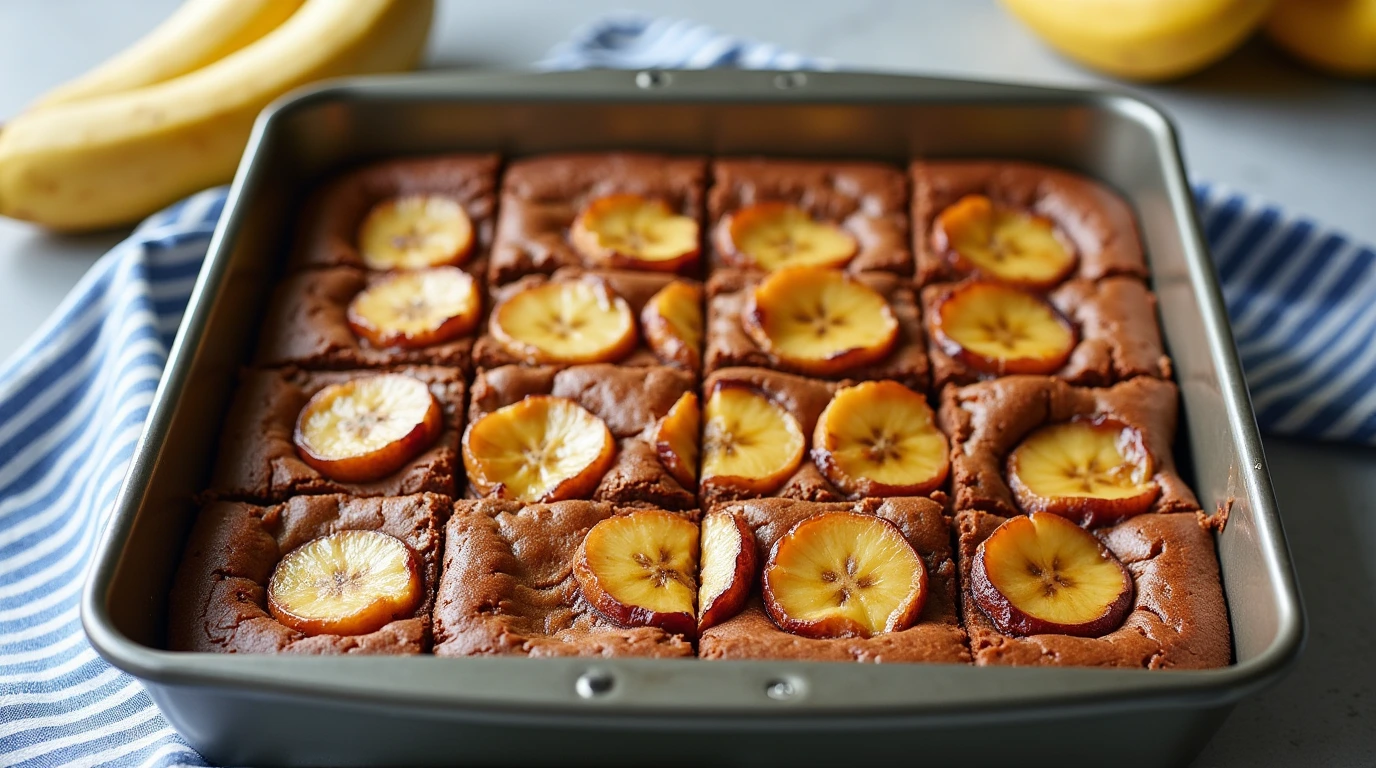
[
  {"x": 788, "y": 80},
  {"x": 652, "y": 78},
  {"x": 780, "y": 690},
  {"x": 593, "y": 683}
]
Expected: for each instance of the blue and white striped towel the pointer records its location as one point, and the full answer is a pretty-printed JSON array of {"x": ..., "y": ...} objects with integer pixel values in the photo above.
[{"x": 72, "y": 401}]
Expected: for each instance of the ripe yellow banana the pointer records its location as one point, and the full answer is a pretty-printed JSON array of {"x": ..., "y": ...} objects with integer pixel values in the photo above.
[
  {"x": 1142, "y": 39},
  {"x": 1337, "y": 36},
  {"x": 113, "y": 159},
  {"x": 198, "y": 33}
]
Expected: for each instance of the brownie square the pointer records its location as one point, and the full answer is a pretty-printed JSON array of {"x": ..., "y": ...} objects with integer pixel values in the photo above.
[
  {"x": 219, "y": 596},
  {"x": 508, "y": 587},
  {"x": 935, "y": 637},
  {"x": 804, "y": 399},
  {"x": 328, "y": 236},
  {"x": 1095, "y": 220},
  {"x": 631, "y": 401},
  {"x": 867, "y": 200},
  {"x": 1178, "y": 618},
  {"x": 542, "y": 196},
  {"x": 986, "y": 421},
  {"x": 637, "y": 288},
  {"x": 1115, "y": 327},
  {"x": 258, "y": 461},
  {"x": 307, "y": 325},
  {"x": 728, "y": 344}
]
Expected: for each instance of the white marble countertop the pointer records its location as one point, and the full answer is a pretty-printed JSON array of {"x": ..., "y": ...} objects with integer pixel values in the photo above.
[{"x": 1255, "y": 122}]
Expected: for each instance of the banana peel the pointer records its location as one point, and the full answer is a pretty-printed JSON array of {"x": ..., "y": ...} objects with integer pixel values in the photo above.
[{"x": 113, "y": 159}]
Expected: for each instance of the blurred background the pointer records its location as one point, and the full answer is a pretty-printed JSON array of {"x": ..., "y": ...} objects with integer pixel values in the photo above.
[{"x": 1256, "y": 121}]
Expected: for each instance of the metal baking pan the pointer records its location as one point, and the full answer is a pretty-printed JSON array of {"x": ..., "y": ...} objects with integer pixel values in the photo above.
[{"x": 264, "y": 710}]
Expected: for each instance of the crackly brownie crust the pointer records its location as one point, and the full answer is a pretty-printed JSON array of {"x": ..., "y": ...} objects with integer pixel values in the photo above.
[
  {"x": 219, "y": 596},
  {"x": 986, "y": 421},
  {"x": 307, "y": 325},
  {"x": 630, "y": 401},
  {"x": 1115, "y": 326},
  {"x": 542, "y": 196},
  {"x": 935, "y": 637},
  {"x": 1179, "y": 619},
  {"x": 508, "y": 586},
  {"x": 258, "y": 461},
  {"x": 329, "y": 232},
  {"x": 1098, "y": 222},
  {"x": 637, "y": 288},
  {"x": 728, "y": 344},
  {"x": 867, "y": 200}
]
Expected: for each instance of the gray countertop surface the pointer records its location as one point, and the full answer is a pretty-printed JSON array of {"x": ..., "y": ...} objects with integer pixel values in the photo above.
[{"x": 1255, "y": 122}]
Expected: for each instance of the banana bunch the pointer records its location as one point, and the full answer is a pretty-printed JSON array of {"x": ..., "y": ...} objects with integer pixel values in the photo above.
[
  {"x": 171, "y": 115},
  {"x": 1152, "y": 40}
]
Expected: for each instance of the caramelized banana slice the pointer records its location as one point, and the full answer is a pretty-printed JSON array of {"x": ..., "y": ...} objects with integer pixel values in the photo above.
[
  {"x": 1042, "y": 574},
  {"x": 367, "y": 428},
  {"x": 676, "y": 440},
  {"x": 1007, "y": 245},
  {"x": 1094, "y": 471},
  {"x": 640, "y": 570},
  {"x": 415, "y": 232},
  {"x": 575, "y": 322},
  {"x": 728, "y": 568},
  {"x": 673, "y": 324},
  {"x": 750, "y": 444},
  {"x": 417, "y": 309},
  {"x": 774, "y": 235},
  {"x": 844, "y": 574},
  {"x": 632, "y": 232},
  {"x": 540, "y": 449},
  {"x": 879, "y": 438},
  {"x": 820, "y": 321},
  {"x": 346, "y": 583},
  {"x": 1001, "y": 330}
]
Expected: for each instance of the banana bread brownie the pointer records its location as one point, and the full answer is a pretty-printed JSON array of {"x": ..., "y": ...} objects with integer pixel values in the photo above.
[
  {"x": 868, "y": 201},
  {"x": 630, "y": 401},
  {"x": 258, "y": 460},
  {"x": 307, "y": 325},
  {"x": 636, "y": 288},
  {"x": 804, "y": 399},
  {"x": 328, "y": 236},
  {"x": 542, "y": 196},
  {"x": 729, "y": 344},
  {"x": 219, "y": 596},
  {"x": 986, "y": 421},
  {"x": 508, "y": 589},
  {"x": 1116, "y": 336},
  {"x": 936, "y": 636},
  {"x": 1094, "y": 220},
  {"x": 1178, "y": 617}
]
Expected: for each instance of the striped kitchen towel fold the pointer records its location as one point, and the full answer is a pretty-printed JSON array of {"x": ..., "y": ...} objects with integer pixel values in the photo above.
[
  {"x": 1302, "y": 300},
  {"x": 73, "y": 399},
  {"x": 72, "y": 403},
  {"x": 633, "y": 41}
]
